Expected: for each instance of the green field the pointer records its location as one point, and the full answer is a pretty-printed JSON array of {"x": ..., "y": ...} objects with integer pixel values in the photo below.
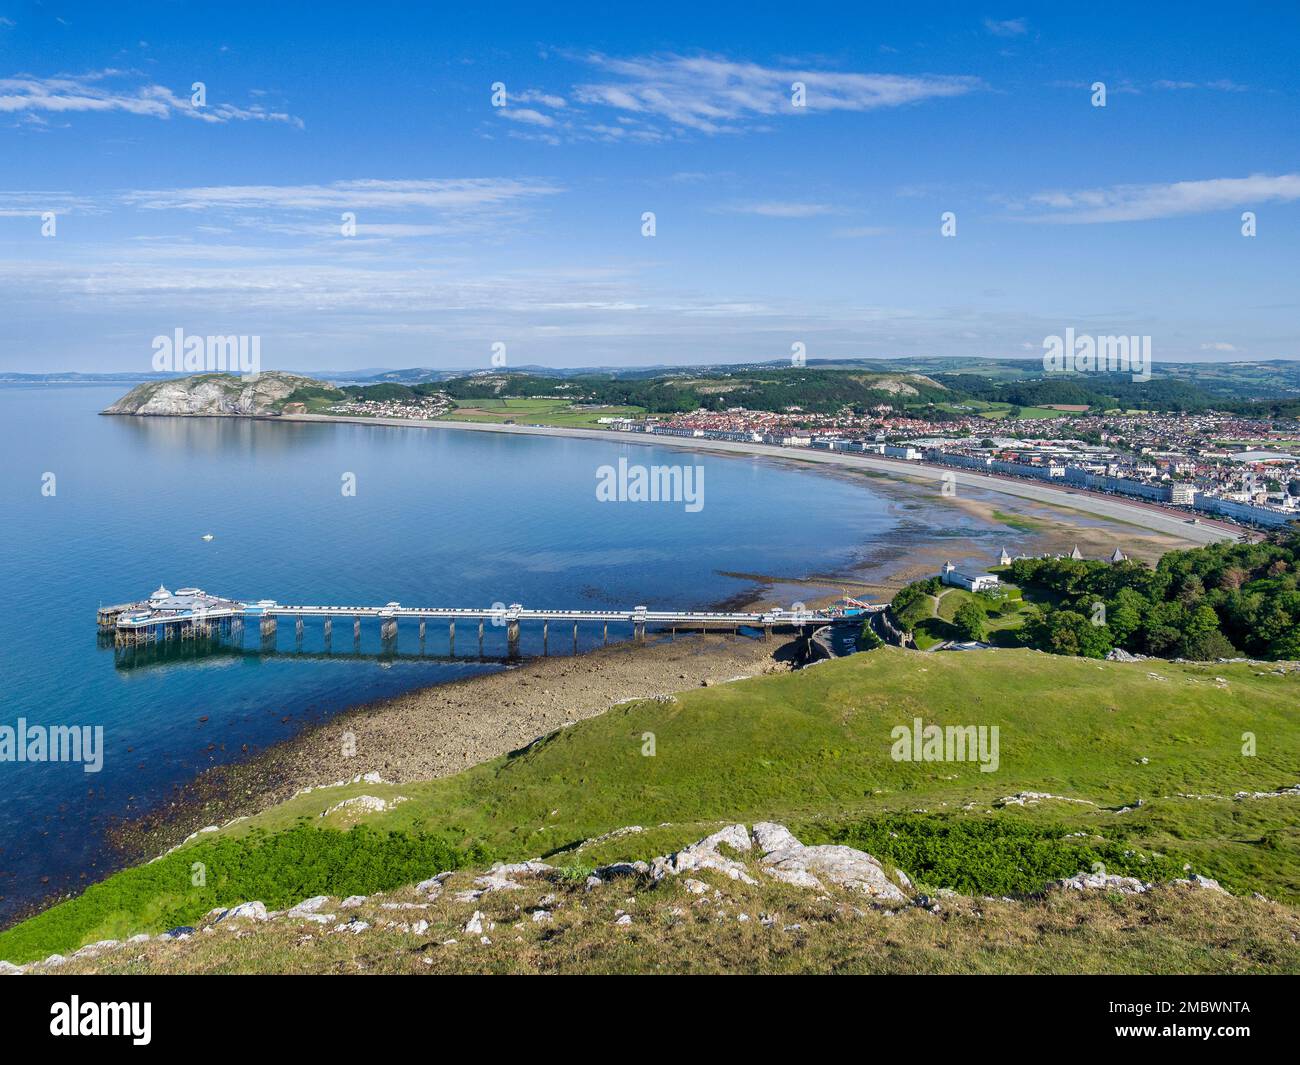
[
  {"x": 811, "y": 749},
  {"x": 554, "y": 412}
]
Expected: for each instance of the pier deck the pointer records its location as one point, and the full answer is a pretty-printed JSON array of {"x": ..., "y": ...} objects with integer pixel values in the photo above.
[{"x": 191, "y": 613}]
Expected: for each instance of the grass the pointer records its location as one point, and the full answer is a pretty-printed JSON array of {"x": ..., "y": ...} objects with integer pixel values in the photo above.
[
  {"x": 554, "y": 412},
  {"x": 1020, "y": 522},
  {"x": 738, "y": 928},
  {"x": 1004, "y": 617},
  {"x": 812, "y": 749}
]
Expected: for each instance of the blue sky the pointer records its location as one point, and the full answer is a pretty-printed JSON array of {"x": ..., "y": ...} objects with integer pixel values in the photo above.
[{"x": 775, "y": 224}]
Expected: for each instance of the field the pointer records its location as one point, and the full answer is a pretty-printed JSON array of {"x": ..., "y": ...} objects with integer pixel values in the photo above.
[
  {"x": 811, "y": 749},
  {"x": 554, "y": 412},
  {"x": 994, "y": 411}
]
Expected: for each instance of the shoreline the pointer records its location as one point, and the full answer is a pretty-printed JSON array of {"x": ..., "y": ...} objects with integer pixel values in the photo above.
[
  {"x": 1147, "y": 516},
  {"x": 441, "y": 729}
]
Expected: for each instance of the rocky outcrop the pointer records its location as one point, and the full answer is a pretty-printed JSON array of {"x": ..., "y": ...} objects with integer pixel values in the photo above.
[
  {"x": 213, "y": 394},
  {"x": 786, "y": 859},
  {"x": 1124, "y": 885},
  {"x": 781, "y": 856}
]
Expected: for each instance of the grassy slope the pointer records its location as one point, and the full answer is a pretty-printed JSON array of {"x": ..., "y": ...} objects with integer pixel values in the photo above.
[
  {"x": 813, "y": 749},
  {"x": 784, "y": 930}
]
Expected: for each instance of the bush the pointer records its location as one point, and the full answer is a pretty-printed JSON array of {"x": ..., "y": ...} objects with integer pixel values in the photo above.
[
  {"x": 279, "y": 870},
  {"x": 988, "y": 856}
]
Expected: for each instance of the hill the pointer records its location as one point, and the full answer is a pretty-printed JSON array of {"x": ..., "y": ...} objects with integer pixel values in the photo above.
[
  {"x": 214, "y": 394},
  {"x": 1145, "y": 770}
]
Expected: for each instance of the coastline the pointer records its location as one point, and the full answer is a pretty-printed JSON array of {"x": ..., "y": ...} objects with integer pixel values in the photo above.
[
  {"x": 442, "y": 729},
  {"x": 1150, "y": 517}
]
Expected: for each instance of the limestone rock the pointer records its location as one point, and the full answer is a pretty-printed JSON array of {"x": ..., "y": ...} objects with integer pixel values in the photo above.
[
  {"x": 785, "y": 858},
  {"x": 215, "y": 393},
  {"x": 704, "y": 855},
  {"x": 1125, "y": 885},
  {"x": 253, "y": 911}
]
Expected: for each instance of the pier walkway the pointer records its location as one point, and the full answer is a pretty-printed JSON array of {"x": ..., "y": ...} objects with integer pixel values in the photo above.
[{"x": 191, "y": 613}]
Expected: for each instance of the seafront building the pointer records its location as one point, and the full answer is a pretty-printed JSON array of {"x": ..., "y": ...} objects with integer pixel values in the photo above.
[{"x": 1157, "y": 477}]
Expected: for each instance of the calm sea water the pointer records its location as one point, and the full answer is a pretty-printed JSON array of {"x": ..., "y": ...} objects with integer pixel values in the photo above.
[{"x": 438, "y": 518}]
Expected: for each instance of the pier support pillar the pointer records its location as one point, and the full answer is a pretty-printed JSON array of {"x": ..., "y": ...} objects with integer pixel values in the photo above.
[
  {"x": 606, "y": 636},
  {"x": 480, "y": 639},
  {"x": 451, "y": 639},
  {"x": 422, "y": 623},
  {"x": 268, "y": 627},
  {"x": 638, "y": 632},
  {"x": 512, "y": 639},
  {"x": 767, "y": 633},
  {"x": 388, "y": 630},
  {"x": 297, "y": 627},
  {"x": 575, "y": 637},
  {"x": 356, "y": 632},
  {"x": 546, "y": 630},
  {"x": 329, "y": 633}
]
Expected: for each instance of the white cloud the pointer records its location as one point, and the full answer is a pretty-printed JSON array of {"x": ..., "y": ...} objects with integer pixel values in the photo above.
[
  {"x": 108, "y": 91},
  {"x": 1134, "y": 203},
  {"x": 711, "y": 94},
  {"x": 442, "y": 194},
  {"x": 1219, "y": 346},
  {"x": 1011, "y": 27},
  {"x": 527, "y": 115},
  {"x": 35, "y": 204},
  {"x": 1221, "y": 85},
  {"x": 781, "y": 209}
]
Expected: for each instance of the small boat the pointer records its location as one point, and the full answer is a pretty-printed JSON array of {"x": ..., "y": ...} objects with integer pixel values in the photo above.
[{"x": 207, "y": 536}]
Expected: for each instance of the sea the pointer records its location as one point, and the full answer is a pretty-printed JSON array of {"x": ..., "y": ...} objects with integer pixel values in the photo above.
[{"x": 104, "y": 510}]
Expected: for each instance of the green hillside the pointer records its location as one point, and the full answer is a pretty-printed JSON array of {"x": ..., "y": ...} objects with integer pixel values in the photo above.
[{"x": 811, "y": 749}]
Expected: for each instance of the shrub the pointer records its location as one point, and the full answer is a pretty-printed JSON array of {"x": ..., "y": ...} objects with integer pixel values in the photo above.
[
  {"x": 990, "y": 856},
  {"x": 279, "y": 870}
]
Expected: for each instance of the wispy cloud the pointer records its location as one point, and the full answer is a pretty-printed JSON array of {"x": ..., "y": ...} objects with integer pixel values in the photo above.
[
  {"x": 1220, "y": 85},
  {"x": 780, "y": 209},
  {"x": 119, "y": 91},
  {"x": 440, "y": 194},
  {"x": 1135, "y": 203},
  {"x": 35, "y": 204},
  {"x": 650, "y": 98},
  {"x": 1009, "y": 27},
  {"x": 712, "y": 94}
]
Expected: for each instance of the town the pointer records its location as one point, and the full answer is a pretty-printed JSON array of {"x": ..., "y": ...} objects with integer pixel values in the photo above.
[{"x": 1176, "y": 460}]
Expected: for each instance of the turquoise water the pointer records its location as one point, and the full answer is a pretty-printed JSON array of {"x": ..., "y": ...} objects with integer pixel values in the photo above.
[{"x": 438, "y": 518}]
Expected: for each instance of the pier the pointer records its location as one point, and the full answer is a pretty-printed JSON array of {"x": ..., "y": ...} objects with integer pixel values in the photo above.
[{"x": 193, "y": 614}]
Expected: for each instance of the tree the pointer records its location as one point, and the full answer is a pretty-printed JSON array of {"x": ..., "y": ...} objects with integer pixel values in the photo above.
[
  {"x": 970, "y": 621},
  {"x": 1067, "y": 632}
]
